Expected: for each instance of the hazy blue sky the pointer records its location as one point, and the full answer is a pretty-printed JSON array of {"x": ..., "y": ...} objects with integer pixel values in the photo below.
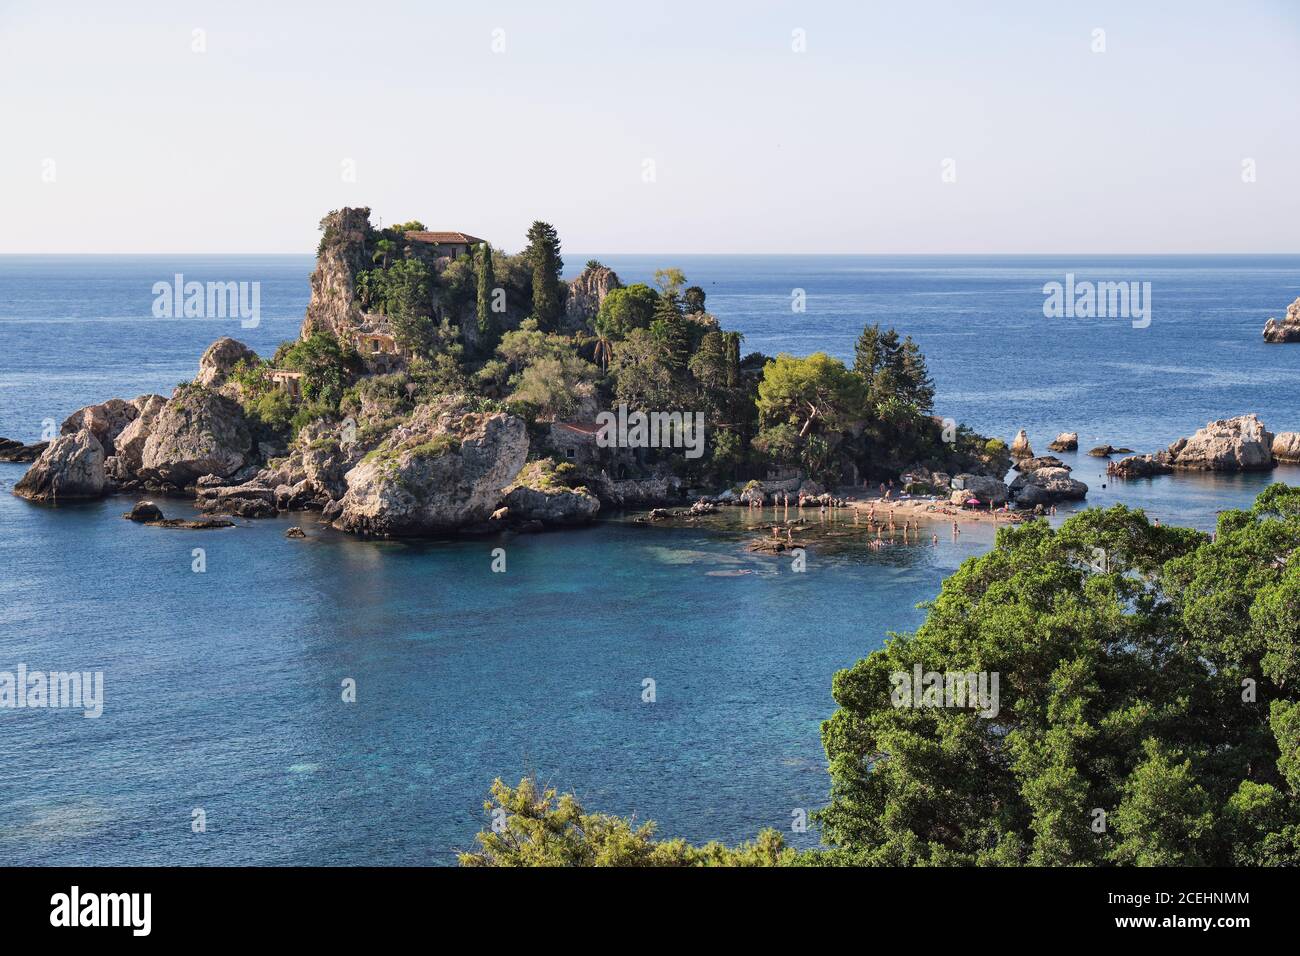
[{"x": 756, "y": 147}]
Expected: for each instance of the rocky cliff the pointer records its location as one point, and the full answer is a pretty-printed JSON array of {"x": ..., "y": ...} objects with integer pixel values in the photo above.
[
  {"x": 341, "y": 255},
  {"x": 442, "y": 469},
  {"x": 586, "y": 293}
]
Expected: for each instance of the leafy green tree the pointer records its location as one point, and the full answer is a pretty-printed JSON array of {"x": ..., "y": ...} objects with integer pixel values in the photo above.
[
  {"x": 328, "y": 366},
  {"x": 384, "y": 249},
  {"x": 670, "y": 281},
  {"x": 625, "y": 309},
  {"x": 694, "y": 298},
  {"x": 1146, "y": 713},
  {"x": 643, "y": 378},
  {"x": 540, "y": 829},
  {"x": 543, "y": 254},
  {"x": 556, "y": 386}
]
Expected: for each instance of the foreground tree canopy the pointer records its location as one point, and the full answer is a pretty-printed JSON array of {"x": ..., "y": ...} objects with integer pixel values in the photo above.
[{"x": 1148, "y": 713}]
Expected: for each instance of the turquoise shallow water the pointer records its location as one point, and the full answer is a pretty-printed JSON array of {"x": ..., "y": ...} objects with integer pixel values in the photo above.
[{"x": 223, "y": 688}]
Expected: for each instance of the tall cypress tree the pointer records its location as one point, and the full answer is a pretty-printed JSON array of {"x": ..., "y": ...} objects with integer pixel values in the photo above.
[
  {"x": 486, "y": 280},
  {"x": 669, "y": 327},
  {"x": 543, "y": 254}
]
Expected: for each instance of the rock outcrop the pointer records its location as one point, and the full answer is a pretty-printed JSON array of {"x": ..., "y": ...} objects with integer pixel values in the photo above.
[
  {"x": 1288, "y": 330},
  {"x": 1140, "y": 466},
  {"x": 986, "y": 490},
  {"x": 11, "y": 450},
  {"x": 1026, "y": 465},
  {"x": 340, "y": 256},
  {"x": 1066, "y": 441},
  {"x": 586, "y": 293},
  {"x": 105, "y": 421},
  {"x": 535, "y": 496},
  {"x": 1286, "y": 446},
  {"x": 1229, "y": 444},
  {"x": 129, "y": 445},
  {"x": 1020, "y": 446},
  {"x": 1046, "y": 485},
  {"x": 71, "y": 468},
  {"x": 442, "y": 469},
  {"x": 196, "y": 433},
  {"x": 220, "y": 358}
]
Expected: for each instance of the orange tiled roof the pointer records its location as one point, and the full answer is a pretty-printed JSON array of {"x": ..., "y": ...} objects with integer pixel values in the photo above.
[{"x": 443, "y": 238}]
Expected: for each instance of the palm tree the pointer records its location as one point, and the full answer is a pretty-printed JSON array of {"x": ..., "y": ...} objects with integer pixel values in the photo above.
[
  {"x": 604, "y": 351},
  {"x": 383, "y": 249}
]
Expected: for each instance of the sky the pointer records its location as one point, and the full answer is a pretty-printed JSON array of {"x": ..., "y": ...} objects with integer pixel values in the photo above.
[{"x": 682, "y": 127}]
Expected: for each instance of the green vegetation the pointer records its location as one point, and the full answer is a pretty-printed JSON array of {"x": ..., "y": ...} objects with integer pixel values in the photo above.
[
  {"x": 1148, "y": 714},
  {"x": 654, "y": 348},
  {"x": 543, "y": 830},
  {"x": 543, "y": 254}
]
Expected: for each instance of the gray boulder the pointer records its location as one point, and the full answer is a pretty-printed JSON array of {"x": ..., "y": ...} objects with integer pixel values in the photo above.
[
  {"x": 105, "y": 421},
  {"x": 71, "y": 468},
  {"x": 197, "y": 432},
  {"x": 129, "y": 445},
  {"x": 1047, "y": 485},
  {"x": 220, "y": 358},
  {"x": 535, "y": 497},
  {"x": 1286, "y": 446},
  {"x": 987, "y": 490},
  {"x": 441, "y": 470}
]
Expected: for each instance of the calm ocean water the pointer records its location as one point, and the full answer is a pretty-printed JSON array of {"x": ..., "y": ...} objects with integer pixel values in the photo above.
[{"x": 222, "y": 688}]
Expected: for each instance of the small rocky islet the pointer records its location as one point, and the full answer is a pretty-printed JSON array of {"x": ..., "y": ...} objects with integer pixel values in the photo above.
[{"x": 467, "y": 420}]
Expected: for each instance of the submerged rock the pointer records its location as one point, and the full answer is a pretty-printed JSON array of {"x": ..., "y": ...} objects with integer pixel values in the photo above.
[
  {"x": 1066, "y": 441},
  {"x": 71, "y": 468},
  {"x": 295, "y": 532}
]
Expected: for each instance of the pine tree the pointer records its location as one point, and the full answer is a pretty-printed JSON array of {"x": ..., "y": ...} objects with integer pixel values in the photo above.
[{"x": 543, "y": 254}]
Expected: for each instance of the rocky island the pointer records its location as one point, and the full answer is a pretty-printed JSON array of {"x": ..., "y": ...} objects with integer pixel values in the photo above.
[{"x": 441, "y": 386}]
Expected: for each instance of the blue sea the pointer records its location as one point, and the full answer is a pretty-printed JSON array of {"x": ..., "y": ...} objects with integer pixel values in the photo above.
[{"x": 223, "y": 689}]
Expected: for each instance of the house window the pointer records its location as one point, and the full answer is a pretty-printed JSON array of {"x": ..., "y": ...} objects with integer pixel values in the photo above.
[{"x": 570, "y": 453}]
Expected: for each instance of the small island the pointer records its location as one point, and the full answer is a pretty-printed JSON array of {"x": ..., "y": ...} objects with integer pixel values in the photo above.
[{"x": 442, "y": 386}]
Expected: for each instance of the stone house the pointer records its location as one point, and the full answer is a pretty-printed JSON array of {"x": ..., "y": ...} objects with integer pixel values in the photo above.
[{"x": 449, "y": 244}]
